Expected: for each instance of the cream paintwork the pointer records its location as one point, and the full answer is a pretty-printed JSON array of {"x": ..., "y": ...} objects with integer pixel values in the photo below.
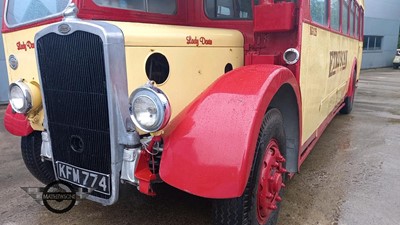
[
  {"x": 192, "y": 68},
  {"x": 26, "y": 70},
  {"x": 321, "y": 93},
  {"x": 155, "y": 35}
]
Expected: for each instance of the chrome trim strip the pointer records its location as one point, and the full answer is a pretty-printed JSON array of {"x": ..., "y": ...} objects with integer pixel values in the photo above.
[
  {"x": 32, "y": 21},
  {"x": 45, "y": 150},
  {"x": 122, "y": 130},
  {"x": 131, "y": 159}
]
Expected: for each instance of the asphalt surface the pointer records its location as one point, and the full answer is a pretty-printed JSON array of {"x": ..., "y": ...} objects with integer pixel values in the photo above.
[{"x": 351, "y": 177}]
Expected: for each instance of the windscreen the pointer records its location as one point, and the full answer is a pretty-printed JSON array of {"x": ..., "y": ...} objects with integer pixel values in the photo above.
[
  {"x": 26, "y": 11},
  {"x": 153, "y": 6}
]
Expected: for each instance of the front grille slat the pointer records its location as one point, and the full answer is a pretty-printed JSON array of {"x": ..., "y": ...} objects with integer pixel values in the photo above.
[{"x": 72, "y": 70}]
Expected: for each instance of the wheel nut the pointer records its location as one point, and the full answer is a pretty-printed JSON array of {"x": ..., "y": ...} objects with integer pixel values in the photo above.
[{"x": 272, "y": 207}]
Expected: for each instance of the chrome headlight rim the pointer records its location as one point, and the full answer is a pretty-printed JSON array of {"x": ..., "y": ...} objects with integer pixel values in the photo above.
[
  {"x": 160, "y": 101},
  {"x": 26, "y": 94}
]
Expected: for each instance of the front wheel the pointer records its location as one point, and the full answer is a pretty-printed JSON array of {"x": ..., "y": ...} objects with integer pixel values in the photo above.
[
  {"x": 260, "y": 202},
  {"x": 30, "y": 149}
]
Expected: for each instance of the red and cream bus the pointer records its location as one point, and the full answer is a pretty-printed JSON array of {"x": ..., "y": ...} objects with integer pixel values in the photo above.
[{"x": 223, "y": 99}]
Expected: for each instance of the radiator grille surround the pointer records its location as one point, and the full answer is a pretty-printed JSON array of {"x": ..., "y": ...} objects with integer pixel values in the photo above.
[
  {"x": 73, "y": 80},
  {"x": 83, "y": 81}
]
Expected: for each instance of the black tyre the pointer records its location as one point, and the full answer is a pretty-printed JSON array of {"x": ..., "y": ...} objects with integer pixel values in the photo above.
[
  {"x": 349, "y": 100},
  {"x": 30, "y": 148},
  {"x": 260, "y": 202}
]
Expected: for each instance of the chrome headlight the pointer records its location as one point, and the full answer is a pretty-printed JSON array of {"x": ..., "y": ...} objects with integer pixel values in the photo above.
[
  {"x": 150, "y": 109},
  {"x": 20, "y": 97}
]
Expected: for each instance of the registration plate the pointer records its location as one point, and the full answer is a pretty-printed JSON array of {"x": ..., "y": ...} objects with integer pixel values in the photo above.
[{"x": 98, "y": 182}]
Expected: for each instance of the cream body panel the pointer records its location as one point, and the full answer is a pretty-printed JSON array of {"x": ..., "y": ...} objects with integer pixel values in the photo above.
[
  {"x": 321, "y": 92},
  {"x": 155, "y": 35},
  {"x": 192, "y": 68},
  {"x": 27, "y": 67}
]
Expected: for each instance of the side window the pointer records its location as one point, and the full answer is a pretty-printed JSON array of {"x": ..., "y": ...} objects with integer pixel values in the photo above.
[
  {"x": 335, "y": 14},
  {"x": 319, "y": 11},
  {"x": 345, "y": 17},
  {"x": 153, "y": 6},
  {"x": 229, "y": 9},
  {"x": 352, "y": 19},
  {"x": 362, "y": 23},
  {"x": 357, "y": 22}
]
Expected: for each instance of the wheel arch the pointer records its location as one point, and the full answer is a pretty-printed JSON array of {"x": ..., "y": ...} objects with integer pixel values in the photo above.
[
  {"x": 285, "y": 100},
  {"x": 209, "y": 147},
  {"x": 353, "y": 77}
]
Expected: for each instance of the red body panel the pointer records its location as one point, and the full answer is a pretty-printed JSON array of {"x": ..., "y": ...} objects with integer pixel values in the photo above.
[
  {"x": 16, "y": 123},
  {"x": 209, "y": 149},
  {"x": 274, "y": 17}
]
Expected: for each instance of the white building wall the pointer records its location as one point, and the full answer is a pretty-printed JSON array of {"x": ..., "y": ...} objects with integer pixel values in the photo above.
[{"x": 382, "y": 18}]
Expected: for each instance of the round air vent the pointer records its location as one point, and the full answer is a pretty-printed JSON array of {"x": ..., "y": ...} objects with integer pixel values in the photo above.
[{"x": 157, "y": 68}]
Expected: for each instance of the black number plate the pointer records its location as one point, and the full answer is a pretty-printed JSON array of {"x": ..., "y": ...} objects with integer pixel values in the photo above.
[{"x": 98, "y": 182}]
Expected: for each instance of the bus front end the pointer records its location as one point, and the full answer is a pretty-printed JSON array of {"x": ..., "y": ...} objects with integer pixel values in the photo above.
[{"x": 97, "y": 97}]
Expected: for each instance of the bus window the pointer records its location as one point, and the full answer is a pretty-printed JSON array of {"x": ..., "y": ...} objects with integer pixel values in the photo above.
[
  {"x": 335, "y": 14},
  {"x": 357, "y": 23},
  {"x": 352, "y": 19},
  {"x": 25, "y": 11},
  {"x": 319, "y": 11},
  {"x": 362, "y": 24},
  {"x": 228, "y": 9},
  {"x": 153, "y": 6},
  {"x": 345, "y": 17}
]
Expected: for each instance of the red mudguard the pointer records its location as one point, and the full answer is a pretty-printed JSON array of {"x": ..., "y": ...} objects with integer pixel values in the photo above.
[
  {"x": 209, "y": 147},
  {"x": 16, "y": 123}
]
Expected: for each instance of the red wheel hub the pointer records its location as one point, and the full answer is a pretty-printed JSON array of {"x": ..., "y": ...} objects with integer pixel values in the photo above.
[{"x": 270, "y": 182}]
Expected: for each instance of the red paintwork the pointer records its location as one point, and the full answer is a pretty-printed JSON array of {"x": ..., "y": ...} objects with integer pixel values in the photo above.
[
  {"x": 270, "y": 182},
  {"x": 16, "y": 123},
  {"x": 210, "y": 146},
  {"x": 274, "y": 17},
  {"x": 252, "y": 59},
  {"x": 25, "y": 46},
  {"x": 142, "y": 172}
]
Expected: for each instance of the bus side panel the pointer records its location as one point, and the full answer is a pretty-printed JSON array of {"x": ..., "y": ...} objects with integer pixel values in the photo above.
[
  {"x": 326, "y": 68},
  {"x": 210, "y": 148}
]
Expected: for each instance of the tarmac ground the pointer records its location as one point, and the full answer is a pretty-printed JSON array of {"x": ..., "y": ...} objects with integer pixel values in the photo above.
[{"x": 351, "y": 177}]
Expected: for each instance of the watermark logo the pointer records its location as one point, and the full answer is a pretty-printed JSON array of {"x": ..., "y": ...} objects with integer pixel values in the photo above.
[{"x": 57, "y": 197}]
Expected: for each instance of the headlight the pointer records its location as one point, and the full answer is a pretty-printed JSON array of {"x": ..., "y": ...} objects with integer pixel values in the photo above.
[
  {"x": 20, "y": 97},
  {"x": 150, "y": 108}
]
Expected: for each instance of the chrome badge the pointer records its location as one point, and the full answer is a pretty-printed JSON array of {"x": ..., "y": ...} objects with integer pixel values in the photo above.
[
  {"x": 64, "y": 28},
  {"x": 12, "y": 60}
]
